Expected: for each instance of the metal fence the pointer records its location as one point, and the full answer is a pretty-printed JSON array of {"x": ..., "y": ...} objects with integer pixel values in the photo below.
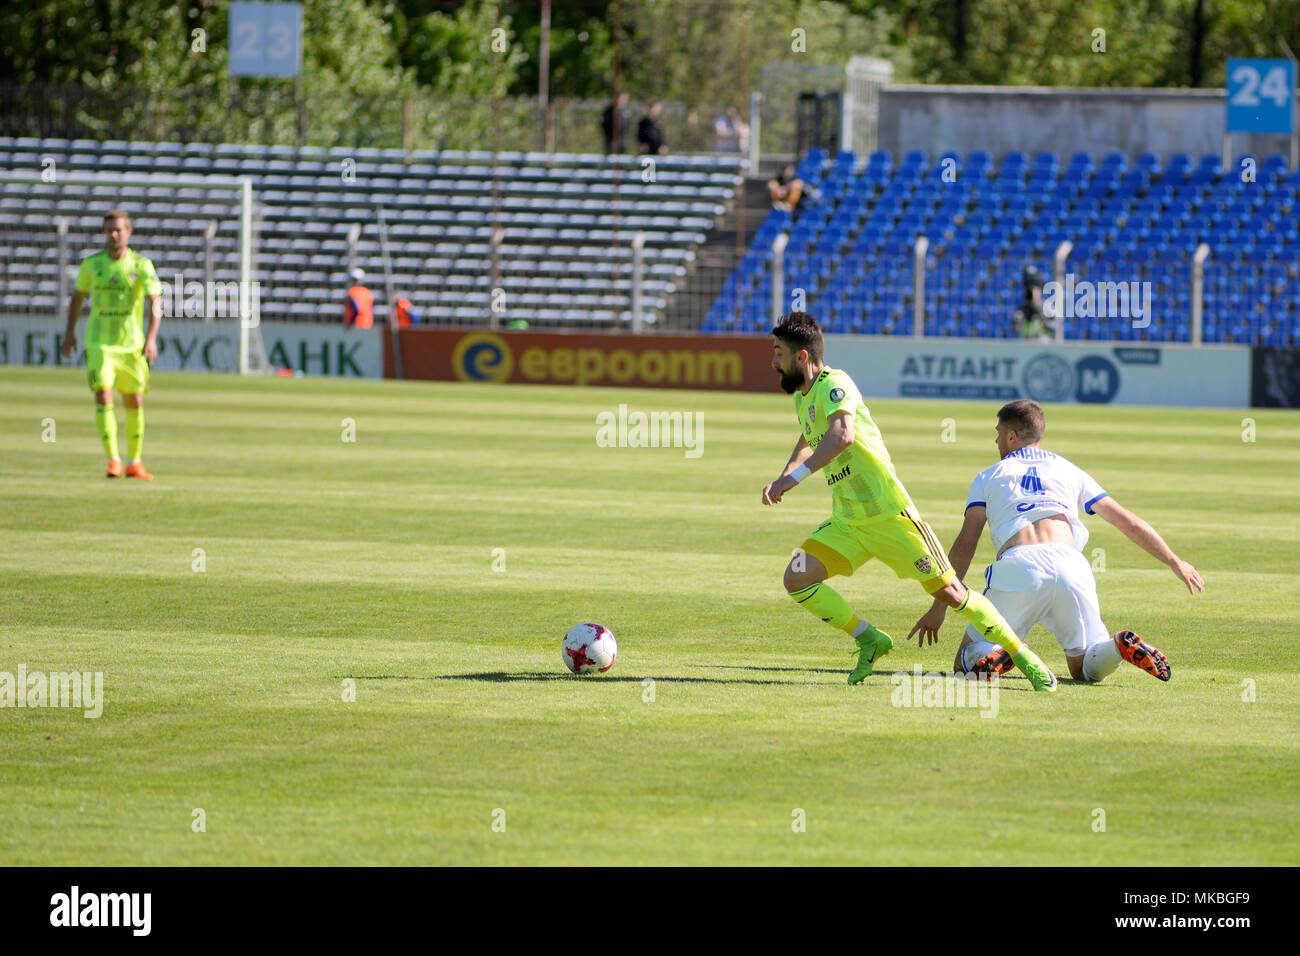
[
  {"x": 279, "y": 116},
  {"x": 1172, "y": 295},
  {"x": 783, "y": 84}
]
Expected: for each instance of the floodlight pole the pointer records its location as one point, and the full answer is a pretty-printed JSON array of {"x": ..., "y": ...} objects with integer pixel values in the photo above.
[
  {"x": 354, "y": 236},
  {"x": 544, "y": 74},
  {"x": 638, "y": 277},
  {"x": 1058, "y": 274},
  {"x": 494, "y": 316},
  {"x": 209, "y": 260},
  {"x": 918, "y": 286},
  {"x": 63, "y": 266},
  {"x": 778, "y": 276},
  {"x": 246, "y": 320},
  {"x": 1295, "y": 127},
  {"x": 391, "y": 294},
  {"x": 1198, "y": 292}
]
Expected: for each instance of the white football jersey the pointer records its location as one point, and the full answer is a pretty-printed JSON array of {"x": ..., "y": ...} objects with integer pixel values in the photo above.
[{"x": 1030, "y": 484}]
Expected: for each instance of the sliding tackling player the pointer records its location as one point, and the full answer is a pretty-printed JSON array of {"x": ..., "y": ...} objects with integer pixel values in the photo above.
[{"x": 1030, "y": 500}]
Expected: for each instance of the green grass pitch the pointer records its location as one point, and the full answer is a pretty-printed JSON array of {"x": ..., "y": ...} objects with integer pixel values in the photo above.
[{"x": 375, "y": 560}]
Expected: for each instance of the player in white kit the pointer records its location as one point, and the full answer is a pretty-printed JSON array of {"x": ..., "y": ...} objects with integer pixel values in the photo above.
[{"x": 1030, "y": 500}]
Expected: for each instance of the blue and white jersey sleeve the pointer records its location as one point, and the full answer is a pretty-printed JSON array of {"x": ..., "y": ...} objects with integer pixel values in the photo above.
[
  {"x": 1090, "y": 492},
  {"x": 1031, "y": 484}
]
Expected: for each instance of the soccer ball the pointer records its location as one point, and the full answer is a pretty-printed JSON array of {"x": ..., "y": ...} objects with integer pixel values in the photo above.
[{"x": 589, "y": 647}]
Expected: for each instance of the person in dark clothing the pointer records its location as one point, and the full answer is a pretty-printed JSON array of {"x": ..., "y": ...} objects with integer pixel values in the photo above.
[
  {"x": 786, "y": 191},
  {"x": 649, "y": 134},
  {"x": 613, "y": 123},
  {"x": 1030, "y": 322}
]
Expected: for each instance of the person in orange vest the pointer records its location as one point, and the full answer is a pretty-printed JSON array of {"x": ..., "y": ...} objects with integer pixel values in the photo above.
[
  {"x": 359, "y": 310},
  {"x": 406, "y": 316}
]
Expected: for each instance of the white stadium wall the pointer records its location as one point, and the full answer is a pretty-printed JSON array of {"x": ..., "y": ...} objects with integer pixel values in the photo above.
[
  {"x": 1001, "y": 119},
  {"x": 1096, "y": 372},
  {"x": 197, "y": 346}
]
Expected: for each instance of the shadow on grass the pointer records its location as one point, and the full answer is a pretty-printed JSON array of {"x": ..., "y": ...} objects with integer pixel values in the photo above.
[
  {"x": 750, "y": 667},
  {"x": 502, "y": 677},
  {"x": 879, "y": 678}
]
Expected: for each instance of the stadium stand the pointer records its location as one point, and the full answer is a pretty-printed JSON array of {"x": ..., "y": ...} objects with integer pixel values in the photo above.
[
  {"x": 568, "y": 221},
  {"x": 853, "y": 253}
]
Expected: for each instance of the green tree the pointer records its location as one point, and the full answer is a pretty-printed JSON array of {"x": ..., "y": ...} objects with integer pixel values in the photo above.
[{"x": 581, "y": 50}]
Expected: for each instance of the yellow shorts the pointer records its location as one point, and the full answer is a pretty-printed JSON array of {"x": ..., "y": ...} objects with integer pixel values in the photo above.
[
  {"x": 128, "y": 372},
  {"x": 905, "y": 543}
]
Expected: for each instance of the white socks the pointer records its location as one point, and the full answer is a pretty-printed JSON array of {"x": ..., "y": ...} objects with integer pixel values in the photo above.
[
  {"x": 974, "y": 651},
  {"x": 1101, "y": 659}
]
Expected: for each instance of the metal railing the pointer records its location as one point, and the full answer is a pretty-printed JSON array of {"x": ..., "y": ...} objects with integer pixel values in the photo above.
[
  {"x": 1114, "y": 298},
  {"x": 275, "y": 116}
]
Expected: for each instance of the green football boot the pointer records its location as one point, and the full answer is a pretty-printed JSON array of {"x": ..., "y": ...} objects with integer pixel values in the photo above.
[
  {"x": 1038, "y": 673},
  {"x": 873, "y": 644}
]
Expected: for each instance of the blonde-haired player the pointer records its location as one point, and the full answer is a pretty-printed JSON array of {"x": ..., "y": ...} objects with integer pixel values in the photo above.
[{"x": 118, "y": 354}]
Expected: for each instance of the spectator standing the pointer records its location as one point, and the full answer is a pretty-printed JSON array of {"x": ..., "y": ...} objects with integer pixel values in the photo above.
[
  {"x": 732, "y": 132},
  {"x": 613, "y": 123},
  {"x": 649, "y": 134},
  {"x": 359, "y": 307},
  {"x": 404, "y": 314}
]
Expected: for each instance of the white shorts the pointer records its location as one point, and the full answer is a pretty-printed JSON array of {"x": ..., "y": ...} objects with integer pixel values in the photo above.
[{"x": 1051, "y": 583}]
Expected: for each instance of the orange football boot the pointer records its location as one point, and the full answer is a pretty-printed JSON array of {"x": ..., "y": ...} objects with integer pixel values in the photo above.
[
  {"x": 114, "y": 468},
  {"x": 137, "y": 471},
  {"x": 1141, "y": 654},
  {"x": 994, "y": 664}
]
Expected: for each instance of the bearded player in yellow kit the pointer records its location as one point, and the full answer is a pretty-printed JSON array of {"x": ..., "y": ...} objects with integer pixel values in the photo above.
[
  {"x": 118, "y": 355},
  {"x": 872, "y": 514}
]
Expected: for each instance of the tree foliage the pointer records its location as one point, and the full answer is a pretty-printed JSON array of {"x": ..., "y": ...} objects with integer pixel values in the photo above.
[{"x": 164, "y": 61}]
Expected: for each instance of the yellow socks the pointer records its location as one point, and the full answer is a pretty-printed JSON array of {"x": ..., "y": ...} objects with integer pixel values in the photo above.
[
  {"x": 134, "y": 433},
  {"x": 106, "y": 422},
  {"x": 824, "y": 601},
  {"x": 989, "y": 621}
]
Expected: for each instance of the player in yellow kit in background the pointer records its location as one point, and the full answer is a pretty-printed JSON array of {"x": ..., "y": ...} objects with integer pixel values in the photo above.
[
  {"x": 872, "y": 514},
  {"x": 118, "y": 281}
]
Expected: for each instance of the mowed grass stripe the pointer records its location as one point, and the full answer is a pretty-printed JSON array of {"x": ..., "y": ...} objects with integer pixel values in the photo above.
[{"x": 373, "y": 561}]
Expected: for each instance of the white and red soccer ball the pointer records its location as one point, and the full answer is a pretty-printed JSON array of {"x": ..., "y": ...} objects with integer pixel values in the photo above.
[{"x": 589, "y": 647}]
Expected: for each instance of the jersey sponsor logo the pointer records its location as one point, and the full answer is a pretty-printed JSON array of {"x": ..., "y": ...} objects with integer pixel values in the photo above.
[
  {"x": 923, "y": 565},
  {"x": 837, "y": 394},
  {"x": 1026, "y": 506},
  {"x": 838, "y": 476}
]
